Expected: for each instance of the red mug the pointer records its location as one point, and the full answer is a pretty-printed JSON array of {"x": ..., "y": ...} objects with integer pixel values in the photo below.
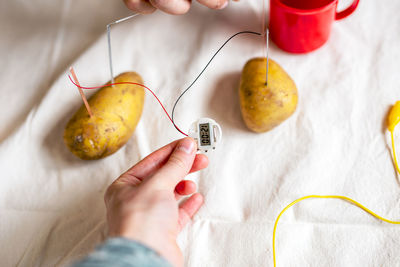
[{"x": 300, "y": 26}]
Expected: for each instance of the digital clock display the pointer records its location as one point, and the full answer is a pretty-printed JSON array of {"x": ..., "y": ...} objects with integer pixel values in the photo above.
[{"x": 205, "y": 134}]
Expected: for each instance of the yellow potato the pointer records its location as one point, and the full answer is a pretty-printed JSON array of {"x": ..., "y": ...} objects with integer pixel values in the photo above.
[
  {"x": 116, "y": 112},
  {"x": 266, "y": 106}
]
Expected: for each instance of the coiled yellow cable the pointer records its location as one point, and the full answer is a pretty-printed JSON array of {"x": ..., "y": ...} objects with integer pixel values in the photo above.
[
  {"x": 392, "y": 120},
  {"x": 328, "y": 196}
]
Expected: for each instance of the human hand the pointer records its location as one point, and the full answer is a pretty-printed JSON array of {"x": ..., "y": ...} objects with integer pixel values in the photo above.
[
  {"x": 175, "y": 7},
  {"x": 142, "y": 204}
]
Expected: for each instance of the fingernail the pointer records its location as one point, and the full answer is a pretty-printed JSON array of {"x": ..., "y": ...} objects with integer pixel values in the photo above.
[
  {"x": 224, "y": 5},
  {"x": 186, "y": 145}
]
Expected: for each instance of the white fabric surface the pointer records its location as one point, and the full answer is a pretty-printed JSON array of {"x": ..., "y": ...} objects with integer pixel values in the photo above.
[{"x": 51, "y": 203}]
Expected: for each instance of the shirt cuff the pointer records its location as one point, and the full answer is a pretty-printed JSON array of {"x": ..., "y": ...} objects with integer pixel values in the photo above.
[{"x": 123, "y": 252}]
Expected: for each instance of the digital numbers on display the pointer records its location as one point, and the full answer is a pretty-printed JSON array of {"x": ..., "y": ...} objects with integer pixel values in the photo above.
[{"x": 205, "y": 134}]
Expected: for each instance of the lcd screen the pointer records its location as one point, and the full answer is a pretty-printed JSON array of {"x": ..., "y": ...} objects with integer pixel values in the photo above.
[{"x": 205, "y": 134}]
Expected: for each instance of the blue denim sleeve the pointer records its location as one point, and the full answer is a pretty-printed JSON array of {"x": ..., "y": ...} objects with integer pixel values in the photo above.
[{"x": 122, "y": 252}]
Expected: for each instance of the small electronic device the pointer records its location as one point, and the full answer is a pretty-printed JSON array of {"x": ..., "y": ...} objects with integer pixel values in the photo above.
[{"x": 207, "y": 133}]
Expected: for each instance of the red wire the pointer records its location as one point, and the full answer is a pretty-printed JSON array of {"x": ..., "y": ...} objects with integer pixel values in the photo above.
[{"x": 144, "y": 86}]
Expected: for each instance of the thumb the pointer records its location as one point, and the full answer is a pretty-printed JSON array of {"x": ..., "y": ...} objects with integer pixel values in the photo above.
[{"x": 178, "y": 165}]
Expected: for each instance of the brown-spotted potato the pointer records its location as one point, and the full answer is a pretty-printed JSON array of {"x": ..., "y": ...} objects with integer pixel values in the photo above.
[
  {"x": 116, "y": 112},
  {"x": 265, "y": 106}
]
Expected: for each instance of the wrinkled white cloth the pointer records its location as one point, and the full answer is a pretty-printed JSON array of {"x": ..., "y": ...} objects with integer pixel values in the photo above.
[{"x": 51, "y": 203}]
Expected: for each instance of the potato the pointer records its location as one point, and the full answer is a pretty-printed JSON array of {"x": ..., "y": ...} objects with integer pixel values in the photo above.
[
  {"x": 266, "y": 106},
  {"x": 116, "y": 112}
]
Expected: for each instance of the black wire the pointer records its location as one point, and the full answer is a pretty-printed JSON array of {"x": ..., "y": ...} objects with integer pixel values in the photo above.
[{"x": 198, "y": 76}]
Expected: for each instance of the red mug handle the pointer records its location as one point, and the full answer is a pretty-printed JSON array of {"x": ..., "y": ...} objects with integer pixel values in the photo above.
[{"x": 347, "y": 11}]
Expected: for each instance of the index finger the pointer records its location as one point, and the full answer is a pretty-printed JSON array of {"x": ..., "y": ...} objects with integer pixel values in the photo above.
[
  {"x": 140, "y": 6},
  {"x": 174, "y": 7},
  {"x": 214, "y": 4}
]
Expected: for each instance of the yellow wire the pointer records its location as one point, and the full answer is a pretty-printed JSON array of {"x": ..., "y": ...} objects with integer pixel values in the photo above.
[
  {"x": 328, "y": 196},
  {"x": 394, "y": 152}
]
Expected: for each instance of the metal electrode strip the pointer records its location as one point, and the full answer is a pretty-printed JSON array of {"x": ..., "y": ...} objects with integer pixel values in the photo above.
[
  {"x": 265, "y": 33},
  {"x": 109, "y": 42},
  {"x": 267, "y": 44}
]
